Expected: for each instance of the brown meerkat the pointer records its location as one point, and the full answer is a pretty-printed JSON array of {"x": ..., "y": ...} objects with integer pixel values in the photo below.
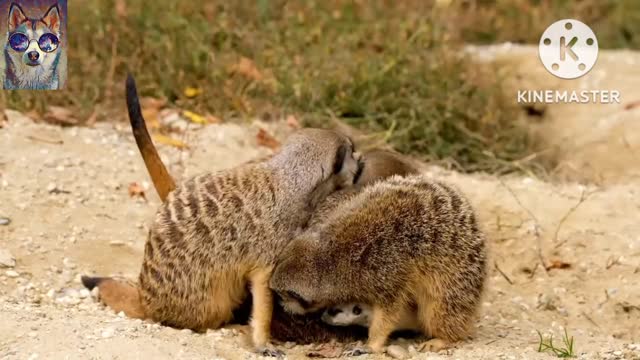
[
  {"x": 399, "y": 243},
  {"x": 376, "y": 164},
  {"x": 219, "y": 233},
  {"x": 314, "y": 328}
]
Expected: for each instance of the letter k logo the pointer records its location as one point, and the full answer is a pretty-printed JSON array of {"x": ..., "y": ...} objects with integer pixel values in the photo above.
[{"x": 566, "y": 48}]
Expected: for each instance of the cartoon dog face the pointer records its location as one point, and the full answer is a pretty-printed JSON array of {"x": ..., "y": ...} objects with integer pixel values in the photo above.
[{"x": 35, "y": 40}]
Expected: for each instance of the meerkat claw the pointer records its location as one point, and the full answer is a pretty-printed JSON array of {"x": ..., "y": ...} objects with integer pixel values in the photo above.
[
  {"x": 433, "y": 345},
  {"x": 270, "y": 351},
  {"x": 357, "y": 351}
]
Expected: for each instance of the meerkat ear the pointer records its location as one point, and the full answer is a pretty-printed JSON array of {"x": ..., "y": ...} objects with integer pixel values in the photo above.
[
  {"x": 16, "y": 17},
  {"x": 341, "y": 154}
]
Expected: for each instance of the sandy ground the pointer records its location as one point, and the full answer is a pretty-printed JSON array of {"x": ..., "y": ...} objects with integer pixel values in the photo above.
[{"x": 66, "y": 193}]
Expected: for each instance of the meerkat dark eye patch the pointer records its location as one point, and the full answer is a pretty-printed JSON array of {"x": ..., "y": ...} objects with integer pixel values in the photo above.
[
  {"x": 334, "y": 311},
  {"x": 357, "y": 310},
  {"x": 341, "y": 154}
]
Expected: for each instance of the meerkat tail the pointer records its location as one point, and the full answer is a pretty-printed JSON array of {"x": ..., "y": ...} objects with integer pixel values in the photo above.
[
  {"x": 118, "y": 295},
  {"x": 160, "y": 177}
]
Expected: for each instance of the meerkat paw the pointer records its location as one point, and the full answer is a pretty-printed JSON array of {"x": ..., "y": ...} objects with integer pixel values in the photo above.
[
  {"x": 358, "y": 350},
  {"x": 434, "y": 345},
  {"x": 269, "y": 351}
]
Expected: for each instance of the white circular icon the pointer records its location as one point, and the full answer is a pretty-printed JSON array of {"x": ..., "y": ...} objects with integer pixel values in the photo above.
[{"x": 568, "y": 49}]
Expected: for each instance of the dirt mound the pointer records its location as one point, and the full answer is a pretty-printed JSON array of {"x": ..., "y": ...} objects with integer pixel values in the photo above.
[{"x": 590, "y": 142}]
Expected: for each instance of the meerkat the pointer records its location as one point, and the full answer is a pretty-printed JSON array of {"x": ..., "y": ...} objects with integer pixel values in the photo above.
[
  {"x": 379, "y": 164},
  {"x": 400, "y": 242},
  {"x": 361, "y": 314},
  {"x": 376, "y": 165},
  {"x": 219, "y": 233}
]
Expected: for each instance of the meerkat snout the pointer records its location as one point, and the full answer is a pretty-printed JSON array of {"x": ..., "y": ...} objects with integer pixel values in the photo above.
[{"x": 348, "y": 314}]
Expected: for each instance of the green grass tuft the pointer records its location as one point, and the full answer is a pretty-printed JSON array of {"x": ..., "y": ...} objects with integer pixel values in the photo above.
[{"x": 562, "y": 352}]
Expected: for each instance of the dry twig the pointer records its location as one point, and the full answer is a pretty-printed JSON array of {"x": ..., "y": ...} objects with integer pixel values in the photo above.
[
  {"x": 495, "y": 264},
  {"x": 583, "y": 197},
  {"x": 536, "y": 227}
]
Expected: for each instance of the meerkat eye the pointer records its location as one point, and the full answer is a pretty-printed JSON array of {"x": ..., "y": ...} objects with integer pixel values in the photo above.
[{"x": 357, "y": 310}]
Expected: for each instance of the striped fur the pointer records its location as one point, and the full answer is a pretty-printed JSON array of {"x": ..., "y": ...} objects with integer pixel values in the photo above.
[{"x": 399, "y": 243}]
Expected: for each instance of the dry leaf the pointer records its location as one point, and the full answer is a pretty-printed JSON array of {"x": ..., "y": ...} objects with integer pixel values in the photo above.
[
  {"x": 328, "y": 351},
  {"x": 166, "y": 140},
  {"x": 265, "y": 139},
  {"x": 292, "y": 122},
  {"x": 121, "y": 8},
  {"x": 248, "y": 69},
  {"x": 632, "y": 105},
  {"x": 193, "y": 117},
  {"x": 558, "y": 264},
  {"x": 212, "y": 119},
  {"x": 59, "y": 115},
  {"x": 136, "y": 190},
  {"x": 191, "y": 92},
  {"x": 32, "y": 114}
]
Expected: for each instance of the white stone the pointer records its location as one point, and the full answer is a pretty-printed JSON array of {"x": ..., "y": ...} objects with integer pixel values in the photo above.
[
  {"x": 51, "y": 187},
  {"x": 107, "y": 333},
  {"x": 397, "y": 352},
  {"x": 84, "y": 293},
  {"x": 7, "y": 259}
]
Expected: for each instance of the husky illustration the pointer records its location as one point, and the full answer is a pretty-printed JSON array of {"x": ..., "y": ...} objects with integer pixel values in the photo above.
[{"x": 32, "y": 51}]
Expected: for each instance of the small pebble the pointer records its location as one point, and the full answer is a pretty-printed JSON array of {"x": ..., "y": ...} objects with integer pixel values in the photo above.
[
  {"x": 7, "y": 259},
  {"x": 51, "y": 187},
  {"x": 68, "y": 264},
  {"x": 397, "y": 352},
  {"x": 4, "y": 221},
  {"x": 107, "y": 333},
  {"x": 84, "y": 293},
  {"x": 12, "y": 273}
]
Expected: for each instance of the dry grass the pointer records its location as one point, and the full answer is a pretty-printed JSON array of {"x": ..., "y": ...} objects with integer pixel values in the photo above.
[
  {"x": 386, "y": 67},
  {"x": 615, "y": 22}
]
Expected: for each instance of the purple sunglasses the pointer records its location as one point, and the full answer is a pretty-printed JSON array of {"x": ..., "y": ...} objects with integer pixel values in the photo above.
[{"x": 20, "y": 42}]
